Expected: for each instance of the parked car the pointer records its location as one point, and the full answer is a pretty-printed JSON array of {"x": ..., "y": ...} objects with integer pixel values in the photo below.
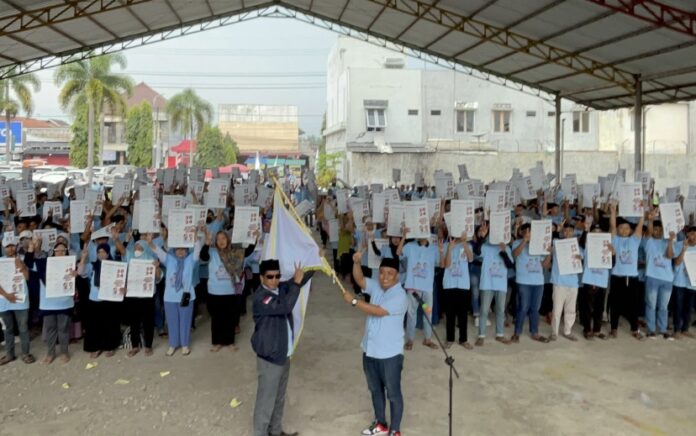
[{"x": 113, "y": 171}]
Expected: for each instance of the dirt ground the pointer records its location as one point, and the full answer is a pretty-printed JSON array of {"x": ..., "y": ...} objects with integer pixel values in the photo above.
[{"x": 614, "y": 387}]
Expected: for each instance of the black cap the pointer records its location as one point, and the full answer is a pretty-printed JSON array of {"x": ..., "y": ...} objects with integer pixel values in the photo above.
[
  {"x": 691, "y": 229},
  {"x": 388, "y": 262},
  {"x": 269, "y": 265}
]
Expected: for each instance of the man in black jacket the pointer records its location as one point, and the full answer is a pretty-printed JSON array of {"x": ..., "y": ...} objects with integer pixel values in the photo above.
[{"x": 272, "y": 342}]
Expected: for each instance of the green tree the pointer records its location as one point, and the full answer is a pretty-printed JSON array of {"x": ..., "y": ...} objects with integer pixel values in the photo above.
[
  {"x": 15, "y": 94},
  {"x": 186, "y": 110},
  {"x": 139, "y": 133},
  {"x": 90, "y": 83},
  {"x": 78, "y": 143},
  {"x": 231, "y": 149},
  {"x": 214, "y": 150},
  {"x": 326, "y": 167}
]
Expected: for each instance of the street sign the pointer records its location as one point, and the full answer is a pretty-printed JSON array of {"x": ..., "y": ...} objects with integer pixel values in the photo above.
[{"x": 16, "y": 127}]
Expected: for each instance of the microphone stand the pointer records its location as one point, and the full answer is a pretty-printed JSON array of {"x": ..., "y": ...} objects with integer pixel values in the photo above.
[{"x": 449, "y": 360}]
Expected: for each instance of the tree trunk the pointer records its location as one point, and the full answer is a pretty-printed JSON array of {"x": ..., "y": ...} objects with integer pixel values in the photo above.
[
  {"x": 191, "y": 142},
  {"x": 8, "y": 130},
  {"x": 90, "y": 141},
  {"x": 102, "y": 141}
]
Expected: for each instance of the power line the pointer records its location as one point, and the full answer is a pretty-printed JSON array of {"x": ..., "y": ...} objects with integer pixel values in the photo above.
[{"x": 204, "y": 74}]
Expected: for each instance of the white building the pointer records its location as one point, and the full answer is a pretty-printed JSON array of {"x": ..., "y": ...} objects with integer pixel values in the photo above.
[{"x": 384, "y": 115}]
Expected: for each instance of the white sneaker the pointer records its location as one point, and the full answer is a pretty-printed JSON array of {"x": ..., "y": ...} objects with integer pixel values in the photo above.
[
  {"x": 476, "y": 321},
  {"x": 375, "y": 429}
]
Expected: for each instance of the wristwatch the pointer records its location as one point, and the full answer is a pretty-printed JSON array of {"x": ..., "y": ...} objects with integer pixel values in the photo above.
[{"x": 354, "y": 302}]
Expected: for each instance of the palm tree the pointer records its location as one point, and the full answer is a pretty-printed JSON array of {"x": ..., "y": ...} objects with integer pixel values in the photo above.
[
  {"x": 15, "y": 94},
  {"x": 92, "y": 83},
  {"x": 190, "y": 112}
]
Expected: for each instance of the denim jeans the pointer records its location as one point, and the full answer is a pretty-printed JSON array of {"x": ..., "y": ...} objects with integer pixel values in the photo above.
[
  {"x": 384, "y": 374},
  {"x": 486, "y": 299},
  {"x": 22, "y": 317},
  {"x": 474, "y": 280},
  {"x": 657, "y": 293},
  {"x": 528, "y": 305},
  {"x": 683, "y": 304},
  {"x": 413, "y": 306}
]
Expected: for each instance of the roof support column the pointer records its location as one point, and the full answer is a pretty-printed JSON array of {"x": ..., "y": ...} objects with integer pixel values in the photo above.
[
  {"x": 638, "y": 125},
  {"x": 557, "y": 154}
]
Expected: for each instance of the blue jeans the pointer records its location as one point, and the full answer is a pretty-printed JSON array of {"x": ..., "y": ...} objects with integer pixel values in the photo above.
[
  {"x": 474, "y": 280},
  {"x": 486, "y": 299},
  {"x": 529, "y": 302},
  {"x": 178, "y": 324},
  {"x": 657, "y": 293},
  {"x": 683, "y": 303},
  {"x": 384, "y": 374},
  {"x": 412, "y": 315}
]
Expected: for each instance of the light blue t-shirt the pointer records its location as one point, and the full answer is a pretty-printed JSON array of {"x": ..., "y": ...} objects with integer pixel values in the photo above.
[
  {"x": 658, "y": 265},
  {"x": 681, "y": 277},
  {"x": 420, "y": 266},
  {"x": 494, "y": 273},
  {"x": 219, "y": 280},
  {"x": 594, "y": 276},
  {"x": 5, "y": 305},
  {"x": 457, "y": 274},
  {"x": 172, "y": 295},
  {"x": 529, "y": 269},
  {"x": 626, "y": 256},
  {"x": 56, "y": 303},
  {"x": 567, "y": 280},
  {"x": 384, "y": 335}
]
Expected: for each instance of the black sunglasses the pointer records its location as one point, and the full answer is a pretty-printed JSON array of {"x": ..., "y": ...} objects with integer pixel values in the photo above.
[{"x": 272, "y": 276}]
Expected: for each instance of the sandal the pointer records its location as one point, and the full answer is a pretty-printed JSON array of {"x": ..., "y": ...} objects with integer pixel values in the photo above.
[
  {"x": 148, "y": 351},
  {"x": 233, "y": 348},
  {"x": 479, "y": 342},
  {"x": 6, "y": 359},
  {"x": 185, "y": 351},
  {"x": 215, "y": 348},
  {"x": 638, "y": 335},
  {"x": 65, "y": 358},
  {"x": 133, "y": 352},
  {"x": 502, "y": 340},
  {"x": 602, "y": 336},
  {"x": 448, "y": 345},
  {"x": 110, "y": 353},
  {"x": 28, "y": 358},
  {"x": 94, "y": 354},
  {"x": 540, "y": 338},
  {"x": 170, "y": 352},
  {"x": 408, "y": 345},
  {"x": 430, "y": 344},
  {"x": 48, "y": 360},
  {"x": 466, "y": 345},
  {"x": 515, "y": 339}
]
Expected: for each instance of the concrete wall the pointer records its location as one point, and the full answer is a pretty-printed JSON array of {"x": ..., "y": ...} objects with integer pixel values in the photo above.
[{"x": 260, "y": 127}]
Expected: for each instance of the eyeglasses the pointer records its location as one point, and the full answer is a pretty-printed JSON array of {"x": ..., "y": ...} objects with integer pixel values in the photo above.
[{"x": 272, "y": 276}]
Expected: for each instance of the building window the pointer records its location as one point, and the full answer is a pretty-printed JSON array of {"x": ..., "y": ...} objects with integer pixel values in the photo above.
[
  {"x": 376, "y": 120},
  {"x": 413, "y": 111},
  {"x": 531, "y": 114},
  {"x": 465, "y": 121},
  {"x": 551, "y": 113},
  {"x": 581, "y": 122},
  {"x": 501, "y": 121},
  {"x": 435, "y": 113}
]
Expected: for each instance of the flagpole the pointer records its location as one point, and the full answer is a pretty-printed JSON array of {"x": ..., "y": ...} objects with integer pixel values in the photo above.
[{"x": 303, "y": 226}]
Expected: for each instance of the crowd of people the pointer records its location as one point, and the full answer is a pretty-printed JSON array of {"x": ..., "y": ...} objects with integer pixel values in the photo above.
[{"x": 437, "y": 275}]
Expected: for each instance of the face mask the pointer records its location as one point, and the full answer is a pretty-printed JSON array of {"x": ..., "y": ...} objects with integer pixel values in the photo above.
[{"x": 137, "y": 253}]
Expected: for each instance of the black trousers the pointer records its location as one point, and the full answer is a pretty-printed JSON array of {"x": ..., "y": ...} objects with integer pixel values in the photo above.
[
  {"x": 591, "y": 302},
  {"x": 224, "y": 317},
  {"x": 141, "y": 317},
  {"x": 547, "y": 300},
  {"x": 624, "y": 300},
  {"x": 456, "y": 309},
  {"x": 102, "y": 326}
]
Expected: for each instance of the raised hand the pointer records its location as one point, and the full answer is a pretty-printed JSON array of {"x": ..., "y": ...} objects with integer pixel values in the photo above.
[{"x": 299, "y": 274}]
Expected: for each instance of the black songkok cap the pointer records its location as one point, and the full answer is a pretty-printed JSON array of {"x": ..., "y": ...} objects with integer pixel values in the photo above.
[{"x": 269, "y": 265}]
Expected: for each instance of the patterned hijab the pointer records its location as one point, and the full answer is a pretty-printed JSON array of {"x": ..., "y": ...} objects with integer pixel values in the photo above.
[{"x": 231, "y": 257}]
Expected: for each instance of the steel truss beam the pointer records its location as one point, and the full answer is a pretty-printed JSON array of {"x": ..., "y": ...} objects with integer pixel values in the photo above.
[
  {"x": 508, "y": 39},
  {"x": 654, "y": 12}
]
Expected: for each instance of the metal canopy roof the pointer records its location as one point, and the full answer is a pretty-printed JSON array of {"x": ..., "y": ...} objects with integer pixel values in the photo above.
[{"x": 589, "y": 51}]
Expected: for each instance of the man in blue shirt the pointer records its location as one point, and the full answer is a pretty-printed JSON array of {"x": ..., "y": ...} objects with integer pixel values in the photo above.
[
  {"x": 659, "y": 253},
  {"x": 383, "y": 342}
]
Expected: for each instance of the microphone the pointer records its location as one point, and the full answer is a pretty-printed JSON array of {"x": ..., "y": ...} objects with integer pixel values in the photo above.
[{"x": 427, "y": 309}]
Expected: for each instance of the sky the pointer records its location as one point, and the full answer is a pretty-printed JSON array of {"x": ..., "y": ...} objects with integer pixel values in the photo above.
[{"x": 265, "y": 61}]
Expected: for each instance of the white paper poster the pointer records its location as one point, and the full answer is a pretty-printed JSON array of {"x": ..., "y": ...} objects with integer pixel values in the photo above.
[
  {"x": 244, "y": 195},
  {"x": 541, "y": 236},
  {"x": 333, "y": 230},
  {"x": 690, "y": 264},
  {"x": 12, "y": 280},
  {"x": 26, "y": 202},
  {"x": 525, "y": 188},
  {"x": 672, "y": 218},
  {"x": 537, "y": 177},
  {"x": 630, "y": 199},
  {"x": 216, "y": 197},
  {"x": 462, "y": 218},
  {"x": 416, "y": 219},
  {"x": 78, "y": 215},
  {"x": 121, "y": 190},
  {"x": 396, "y": 174},
  {"x": 570, "y": 188},
  {"x": 672, "y": 194},
  {"x": 48, "y": 238},
  {"x": 182, "y": 229},
  {"x": 246, "y": 223},
  {"x": 5, "y": 191},
  {"x": 95, "y": 199},
  {"x": 692, "y": 192},
  {"x": 597, "y": 250},
  {"x": 112, "y": 280},
  {"x": 148, "y": 219},
  {"x": 141, "y": 278},
  {"x": 433, "y": 207},
  {"x": 494, "y": 202},
  {"x": 420, "y": 181},
  {"x": 200, "y": 213},
  {"x": 379, "y": 207},
  {"x": 567, "y": 251},
  {"x": 444, "y": 186},
  {"x": 500, "y": 227},
  {"x": 376, "y": 188},
  {"x": 60, "y": 281},
  {"x": 590, "y": 193},
  {"x": 463, "y": 172},
  {"x": 55, "y": 208},
  {"x": 147, "y": 191},
  {"x": 304, "y": 208},
  {"x": 395, "y": 220},
  {"x": 690, "y": 211},
  {"x": 104, "y": 232},
  {"x": 361, "y": 209},
  {"x": 197, "y": 189},
  {"x": 264, "y": 197},
  {"x": 342, "y": 196}
]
